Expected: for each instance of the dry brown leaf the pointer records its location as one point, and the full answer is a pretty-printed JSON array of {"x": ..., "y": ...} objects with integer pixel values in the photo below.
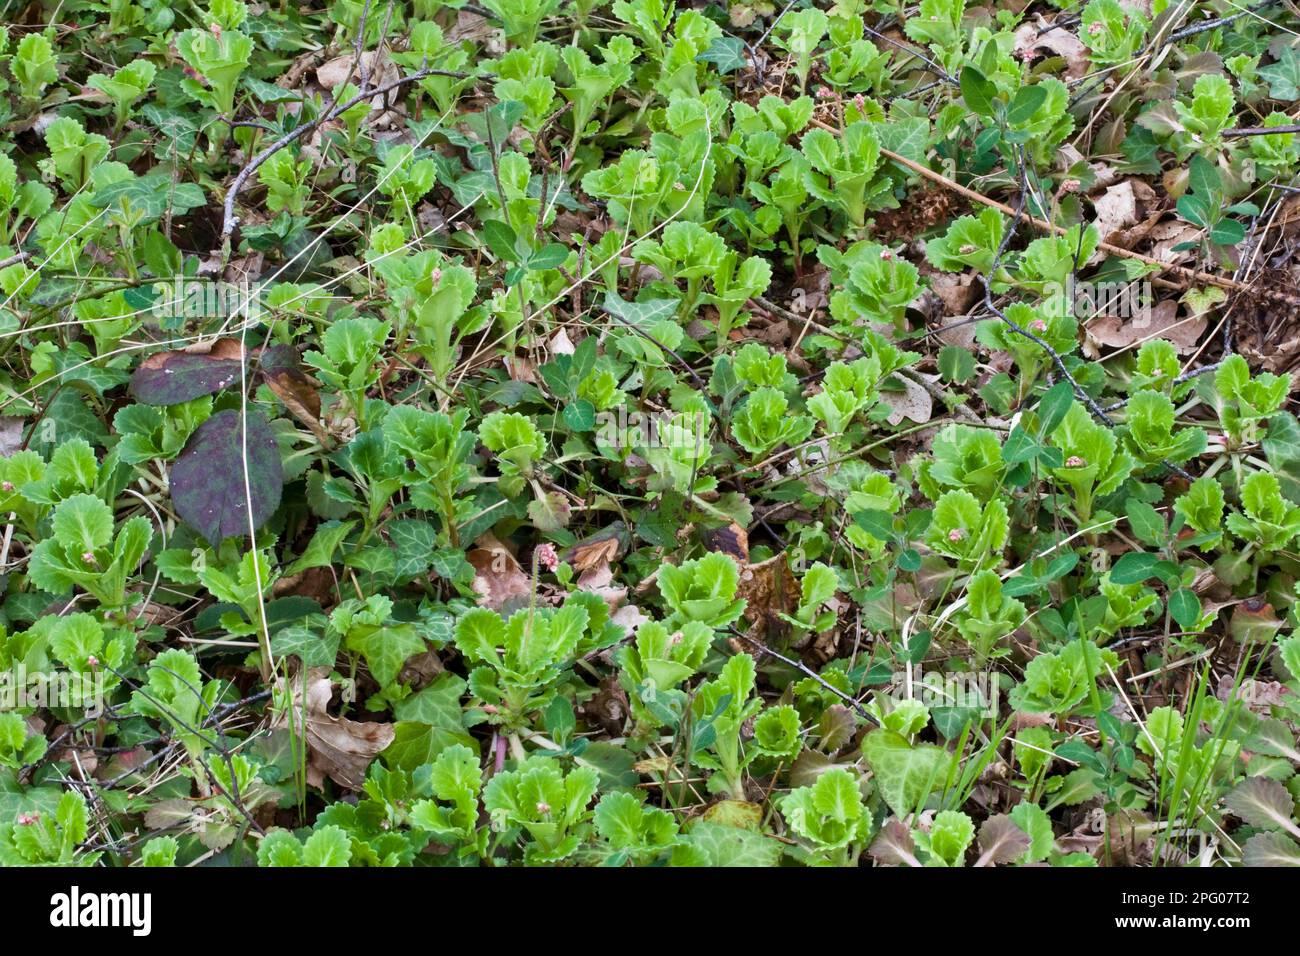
[
  {"x": 216, "y": 348},
  {"x": 603, "y": 547},
  {"x": 1162, "y": 323},
  {"x": 1166, "y": 235},
  {"x": 598, "y": 578},
  {"x": 733, "y": 541},
  {"x": 561, "y": 344},
  {"x": 1115, "y": 209},
  {"x": 521, "y": 368},
  {"x": 498, "y": 579},
  {"x": 913, "y": 402},
  {"x": 1058, "y": 42},
  {"x": 380, "y": 70},
  {"x": 769, "y": 590},
  {"x": 337, "y": 747},
  {"x": 292, "y": 387},
  {"x": 11, "y": 435}
]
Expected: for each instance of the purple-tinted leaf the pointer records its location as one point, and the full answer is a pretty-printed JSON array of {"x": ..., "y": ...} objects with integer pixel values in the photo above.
[
  {"x": 1001, "y": 841},
  {"x": 1263, "y": 803},
  {"x": 208, "y": 481},
  {"x": 1270, "y": 849},
  {"x": 279, "y": 357},
  {"x": 893, "y": 846},
  {"x": 169, "y": 378}
]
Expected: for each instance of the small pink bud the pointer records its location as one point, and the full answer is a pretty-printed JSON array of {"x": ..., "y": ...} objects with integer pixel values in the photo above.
[
  {"x": 1074, "y": 461},
  {"x": 824, "y": 93},
  {"x": 7, "y": 485},
  {"x": 92, "y": 661},
  {"x": 88, "y": 557},
  {"x": 956, "y": 534},
  {"x": 543, "y": 808},
  {"x": 216, "y": 30},
  {"x": 886, "y": 255},
  {"x": 546, "y": 556},
  {"x": 1095, "y": 28},
  {"x": 1070, "y": 185},
  {"x": 435, "y": 276},
  {"x": 968, "y": 248},
  {"x": 1038, "y": 325}
]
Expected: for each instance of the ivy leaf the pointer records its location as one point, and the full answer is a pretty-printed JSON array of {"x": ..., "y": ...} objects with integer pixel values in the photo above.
[
  {"x": 208, "y": 479},
  {"x": 725, "y": 53},
  {"x": 1283, "y": 76},
  {"x": 642, "y": 313}
]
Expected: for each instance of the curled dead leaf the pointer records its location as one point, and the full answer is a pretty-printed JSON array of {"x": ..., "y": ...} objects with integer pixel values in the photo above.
[
  {"x": 337, "y": 747},
  {"x": 499, "y": 581},
  {"x": 733, "y": 541},
  {"x": 769, "y": 590},
  {"x": 604, "y": 547}
]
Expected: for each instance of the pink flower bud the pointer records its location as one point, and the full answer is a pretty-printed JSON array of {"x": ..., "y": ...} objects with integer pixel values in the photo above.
[
  {"x": 7, "y": 485},
  {"x": 956, "y": 534},
  {"x": 1038, "y": 325},
  {"x": 886, "y": 255},
  {"x": 543, "y": 808},
  {"x": 92, "y": 661},
  {"x": 546, "y": 556},
  {"x": 1095, "y": 28},
  {"x": 88, "y": 557},
  {"x": 435, "y": 276},
  {"x": 1074, "y": 461}
]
